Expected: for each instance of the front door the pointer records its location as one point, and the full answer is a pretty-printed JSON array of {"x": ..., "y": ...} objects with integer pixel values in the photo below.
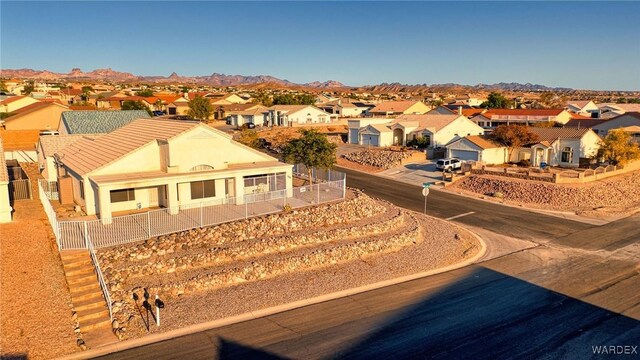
[{"x": 539, "y": 158}]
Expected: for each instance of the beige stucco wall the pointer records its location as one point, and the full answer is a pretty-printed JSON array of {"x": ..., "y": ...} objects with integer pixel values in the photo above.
[
  {"x": 43, "y": 119},
  {"x": 458, "y": 128},
  {"x": 17, "y": 104}
]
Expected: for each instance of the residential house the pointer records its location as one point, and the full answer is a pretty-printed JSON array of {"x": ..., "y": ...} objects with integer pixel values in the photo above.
[
  {"x": 478, "y": 148},
  {"x": 37, "y": 116},
  {"x": 296, "y": 115},
  {"x": 583, "y": 107},
  {"x": 469, "y": 100},
  {"x": 496, "y": 117},
  {"x": 559, "y": 146},
  {"x": 240, "y": 114},
  {"x": 620, "y": 121},
  {"x": 354, "y": 126},
  {"x": 179, "y": 106},
  {"x": 166, "y": 163},
  {"x": 610, "y": 110},
  {"x": 5, "y": 204},
  {"x": 324, "y": 98},
  {"x": 105, "y": 100},
  {"x": 438, "y": 130},
  {"x": 345, "y": 107},
  {"x": 396, "y": 108},
  {"x": 49, "y": 145},
  {"x": 467, "y": 111},
  {"x": 223, "y": 99},
  {"x": 70, "y": 96},
  {"x": 13, "y": 103},
  {"x": 20, "y": 145},
  {"x": 97, "y": 121}
]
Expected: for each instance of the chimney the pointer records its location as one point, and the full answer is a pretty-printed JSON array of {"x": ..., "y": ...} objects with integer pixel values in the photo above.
[{"x": 459, "y": 110}]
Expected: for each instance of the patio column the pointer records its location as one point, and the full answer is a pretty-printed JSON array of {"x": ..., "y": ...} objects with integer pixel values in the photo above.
[
  {"x": 289, "y": 182},
  {"x": 172, "y": 198},
  {"x": 239, "y": 186},
  {"x": 104, "y": 204}
]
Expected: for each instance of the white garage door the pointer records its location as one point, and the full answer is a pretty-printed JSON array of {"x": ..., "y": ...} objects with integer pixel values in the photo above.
[
  {"x": 372, "y": 140},
  {"x": 465, "y": 154},
  {"x": 353, "y": 136}
]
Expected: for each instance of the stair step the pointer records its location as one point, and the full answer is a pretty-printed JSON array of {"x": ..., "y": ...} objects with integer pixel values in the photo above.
[
  {"x": 87, "y": 295},
  {"x": 93, "y": 313},
  {"x": 71, "y": 256},
  {"x": 80, "y": 289},
  {"x": 95, "y": 323},
  {"x": 79, "y": 272},
  {"x": 71, "y": 265},
  {"x": 87, "y": 304},
  {"x": 82, "y": 279}
]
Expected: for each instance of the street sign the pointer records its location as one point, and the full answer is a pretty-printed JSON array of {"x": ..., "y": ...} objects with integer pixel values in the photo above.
[{"x": 425, "y": 191}]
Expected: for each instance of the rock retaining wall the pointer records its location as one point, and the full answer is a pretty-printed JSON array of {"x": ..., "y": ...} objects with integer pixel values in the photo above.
[{"x": 385, "y": 159}]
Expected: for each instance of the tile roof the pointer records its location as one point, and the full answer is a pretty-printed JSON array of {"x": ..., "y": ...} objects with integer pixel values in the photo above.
[
  {"x": 579, "y": 104},
  {"x": 584, "y": 123},
  {"x": 19, "y": 139},
  {"x": 11, "y": 99},
  {"x": 631, "y": 129},
  {"x": 427, "y": 121},
  {"x": 394, "y": 106},
  {"x": 87, "y": 155},
  {"x": 554, "y": 133},
  {"x": 52, "y": 144},
  {"x": 4, "y": 174},
  {"x": 483, "y": 142},
  {"x": 71, "y": 92},
  {"x": 99, "y": 121},
  {"x": 30, "y": 108},
  {"x": 525, "y": 112}
]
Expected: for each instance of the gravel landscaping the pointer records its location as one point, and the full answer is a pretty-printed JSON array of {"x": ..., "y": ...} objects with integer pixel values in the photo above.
[
  {"x": 383, "y": 159},
  {"x": 225, "y": 270},
  {"x": 611, "y": 196}
]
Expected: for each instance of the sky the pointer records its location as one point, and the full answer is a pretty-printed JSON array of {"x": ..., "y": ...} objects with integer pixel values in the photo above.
[{"x": 583, "y": 45}]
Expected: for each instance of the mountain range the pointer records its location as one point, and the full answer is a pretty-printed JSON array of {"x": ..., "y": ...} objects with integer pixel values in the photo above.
[{"x": 217, "y": 79}]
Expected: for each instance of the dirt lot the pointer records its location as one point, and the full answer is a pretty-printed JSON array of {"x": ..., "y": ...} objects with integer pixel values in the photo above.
[
  {"x": 35, "y": 304},
  {"x": 207, "y": 274},
  {"x": 613, "y": 196}
]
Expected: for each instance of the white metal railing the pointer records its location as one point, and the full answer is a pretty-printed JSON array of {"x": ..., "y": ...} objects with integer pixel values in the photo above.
[
  {"x": 50, "y": 212},
  {"x": 101, "y": 281},
  {"x": 50, "y": 189},
  {"x": 318, "y": 175},
  {"x": 135, "y": 227}
]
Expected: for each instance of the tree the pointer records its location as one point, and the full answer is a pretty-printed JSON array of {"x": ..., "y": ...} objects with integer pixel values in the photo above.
[
  {"x": 250, "y": 138},
  {"x": 262, "y": 98},
  {"x": 28, "y": 88},
  {"x": 134, "y": 105},
  {"x": 618, "y": 148},
  {"x": 312, "y": 149},
  {"x": 289, "y": 99},
  {"x": 200, "y": 108},
  {"x": 85, "y": 92},
  {"x": 496, "y": 100},
  {"x": 144, "y": 93},
  {"x": 513, "y": 136},
  {"x": 3, "y": 86}
]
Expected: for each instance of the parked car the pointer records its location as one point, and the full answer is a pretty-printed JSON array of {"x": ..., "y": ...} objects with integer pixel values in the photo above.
[
  {"x": 248, "y": 126},
  {"x": 449, "y": 164},
  {"x": 158, "y": 113}
]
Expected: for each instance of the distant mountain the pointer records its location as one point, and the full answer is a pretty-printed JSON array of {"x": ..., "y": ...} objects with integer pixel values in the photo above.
[
  {"x": 453, "y": 87},
  {"x": 214, "y": 79}
]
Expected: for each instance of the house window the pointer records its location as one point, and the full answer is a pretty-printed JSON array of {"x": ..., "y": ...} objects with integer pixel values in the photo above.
[
  {"x": 122, "y": 195},
  {"x": 82, "y": 189},
  {"x": 567, "y": 155},
  {"x": 203, "y": 189}
]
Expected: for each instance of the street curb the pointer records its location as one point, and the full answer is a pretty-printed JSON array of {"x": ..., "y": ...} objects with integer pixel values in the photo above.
[{"x": 150, "y": 339}]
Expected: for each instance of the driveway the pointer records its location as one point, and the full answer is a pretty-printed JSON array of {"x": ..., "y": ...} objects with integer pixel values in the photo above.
[{"x": 415, "y": 173}]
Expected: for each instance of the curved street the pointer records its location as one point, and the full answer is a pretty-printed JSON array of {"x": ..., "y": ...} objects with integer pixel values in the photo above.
[{"x": 548, "y": 287}]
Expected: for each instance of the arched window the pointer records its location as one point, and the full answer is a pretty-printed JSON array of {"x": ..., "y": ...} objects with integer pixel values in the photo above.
[
  {"x": 567, "y": 155},
  {"x": 202, "y": 167}
]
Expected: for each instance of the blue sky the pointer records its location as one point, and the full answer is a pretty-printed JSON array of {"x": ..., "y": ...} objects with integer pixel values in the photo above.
[{"x": 593, "y": 45}]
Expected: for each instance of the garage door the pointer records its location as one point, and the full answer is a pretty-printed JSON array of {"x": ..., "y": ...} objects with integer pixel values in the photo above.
[
  {"x": 353, "y": 136},
  {"x": 372, "y": 140},
  {"x": 465, "y": 154}
]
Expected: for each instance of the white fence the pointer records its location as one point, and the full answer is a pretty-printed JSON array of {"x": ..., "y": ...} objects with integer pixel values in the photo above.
[
  {"x": 51, "y": 213},
  {"x": 130, "y": 228},
  {"x": 318, "y": 175},
  {"x": 50, "y": 189}
]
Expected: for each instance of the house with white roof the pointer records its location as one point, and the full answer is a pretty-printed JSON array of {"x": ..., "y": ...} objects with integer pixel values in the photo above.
[
  {"x": 296, "y": 115},
  {"x": 583, "y": 107},
  {"x": 164, "y": 163}
]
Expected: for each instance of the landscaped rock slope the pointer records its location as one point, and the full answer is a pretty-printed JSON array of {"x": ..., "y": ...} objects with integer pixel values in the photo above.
[
  {"x": 196, "y": 263},
  {"x": 385, "y": 159},
  {"x": 618, "y": 193}
]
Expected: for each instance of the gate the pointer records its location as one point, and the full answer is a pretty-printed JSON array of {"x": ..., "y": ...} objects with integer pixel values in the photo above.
[{"x": 19, "y": 190}]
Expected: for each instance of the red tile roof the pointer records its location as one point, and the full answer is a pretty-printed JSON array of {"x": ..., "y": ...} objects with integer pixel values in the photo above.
[{"x": 525, "y": 112}]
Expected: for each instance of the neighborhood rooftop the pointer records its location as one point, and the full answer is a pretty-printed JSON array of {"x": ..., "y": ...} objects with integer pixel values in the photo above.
[
  {"x": 554, "y": 133},
  {"x": 52, "y": 144},
  {"x": 87, "y": 155},
  {"x": 98, "y": 121}
]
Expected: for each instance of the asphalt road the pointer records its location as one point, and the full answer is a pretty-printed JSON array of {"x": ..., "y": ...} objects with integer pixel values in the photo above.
[{"x": 576, "y": 288}]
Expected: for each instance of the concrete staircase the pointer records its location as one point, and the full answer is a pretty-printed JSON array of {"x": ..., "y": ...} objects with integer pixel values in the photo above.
[{"x": 87, "y": 298}]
